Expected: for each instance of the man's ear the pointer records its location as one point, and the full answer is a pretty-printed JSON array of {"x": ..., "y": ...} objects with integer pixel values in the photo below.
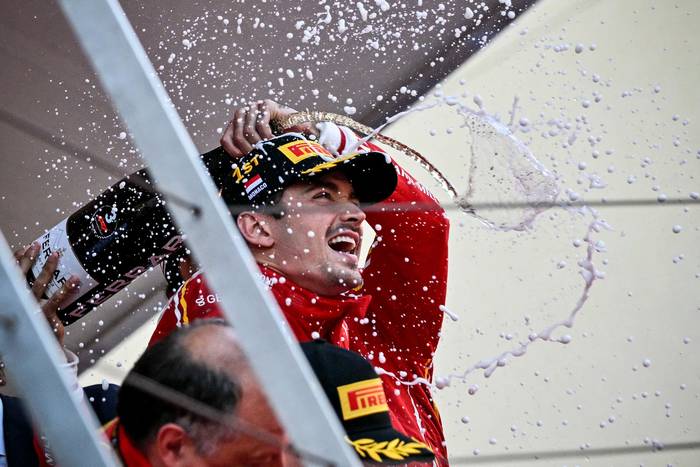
[
  {"x": 255, "y": 229},
  {"x": 173, "y": 446}
]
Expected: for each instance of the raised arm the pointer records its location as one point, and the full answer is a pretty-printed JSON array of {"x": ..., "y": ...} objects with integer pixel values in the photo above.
[{"x": 407, "y": 269}]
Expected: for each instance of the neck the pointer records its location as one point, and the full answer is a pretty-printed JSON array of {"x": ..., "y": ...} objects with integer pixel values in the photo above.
[
  {"x": 265, "y": 261},
  {"x": 271, "y": 267},
  {"x": 155, "y": 460}
]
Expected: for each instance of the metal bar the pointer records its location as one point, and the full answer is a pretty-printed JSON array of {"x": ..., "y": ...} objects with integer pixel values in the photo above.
[
  {"x": 500, "y": 459},
  {"x": 31, "y": 355},
  {"x": 130, "y": 79},
  {"x": 77, "y": 152},
  {"x": 73, "y": 150}
]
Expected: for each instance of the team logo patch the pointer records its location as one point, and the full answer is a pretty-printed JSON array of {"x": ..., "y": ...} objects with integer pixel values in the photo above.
[
  {"x": 104, "y": 221},
  {"x": 297, "y": 151},
  {"x": 394, "y": 450},
  {"x": 254, "y": 186},
  {"x": 329, "y": 164},
  {"x": 362, "y": 398}
]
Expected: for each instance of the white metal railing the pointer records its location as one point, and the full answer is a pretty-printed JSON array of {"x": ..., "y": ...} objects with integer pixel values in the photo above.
[
  {"x": 31, "y": 354},
  {"x": 138, "y": 95}
]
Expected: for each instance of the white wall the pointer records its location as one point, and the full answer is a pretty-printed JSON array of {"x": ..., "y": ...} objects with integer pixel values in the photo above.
[{"x": 646, "y": 305}]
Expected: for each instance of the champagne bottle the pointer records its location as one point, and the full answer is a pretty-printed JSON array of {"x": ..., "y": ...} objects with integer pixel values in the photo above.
[{"x": 115, "y": 238}]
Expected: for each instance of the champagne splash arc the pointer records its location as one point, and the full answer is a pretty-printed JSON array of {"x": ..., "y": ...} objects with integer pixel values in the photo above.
[{"x": 319, "y": 116}]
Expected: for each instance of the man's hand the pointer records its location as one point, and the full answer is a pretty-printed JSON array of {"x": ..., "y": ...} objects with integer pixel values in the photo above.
[
  {"x": 251, "y": 124},
  {"x": 25, "y": 259}
]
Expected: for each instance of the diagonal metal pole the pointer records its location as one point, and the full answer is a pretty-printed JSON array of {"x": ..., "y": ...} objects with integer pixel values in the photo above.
[
  {"x": 31, "y": 354},
  {"x": 136, "y": 92}
]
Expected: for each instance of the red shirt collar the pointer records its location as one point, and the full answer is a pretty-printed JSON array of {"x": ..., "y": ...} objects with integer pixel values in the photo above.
[
  {"x": 129, "y": 454},
  {"x": 309, "y": 313}
]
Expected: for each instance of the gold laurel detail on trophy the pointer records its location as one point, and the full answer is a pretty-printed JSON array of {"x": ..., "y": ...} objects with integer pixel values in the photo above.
[{"x": 318, "y": 116}]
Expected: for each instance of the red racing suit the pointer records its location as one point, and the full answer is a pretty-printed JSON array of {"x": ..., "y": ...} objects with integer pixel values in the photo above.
[
  {"x": 114, "y": 436},
  {"x": 128, "y": 453},
  {"x": 395, "y": 322}
]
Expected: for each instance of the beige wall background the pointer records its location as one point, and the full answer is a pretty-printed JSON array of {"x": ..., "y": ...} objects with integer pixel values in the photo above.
[{"x": 624, "y": 109}]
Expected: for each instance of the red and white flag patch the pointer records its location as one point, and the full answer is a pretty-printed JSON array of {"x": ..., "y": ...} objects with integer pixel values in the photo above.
[{"x": 254, "y": 186}]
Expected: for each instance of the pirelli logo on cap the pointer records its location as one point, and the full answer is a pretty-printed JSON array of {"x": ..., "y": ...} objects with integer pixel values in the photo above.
[
  {"x": 362, "y": 398},
  {"x": 297, "y": 151}
]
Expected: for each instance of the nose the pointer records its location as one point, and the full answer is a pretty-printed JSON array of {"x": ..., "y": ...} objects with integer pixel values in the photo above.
[{"x": 352, "y": 214}]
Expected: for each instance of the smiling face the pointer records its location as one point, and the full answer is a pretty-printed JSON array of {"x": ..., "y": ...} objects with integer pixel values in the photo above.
[{"x": 316, "y": 242}]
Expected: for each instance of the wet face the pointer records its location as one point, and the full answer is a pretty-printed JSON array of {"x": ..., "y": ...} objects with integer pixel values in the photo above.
[
  {"x": 261, "y": 447},
  {"x": 262, "y": 443},
  {"x": 259, "y": 439},
  {"x": 317, "y": 240}
]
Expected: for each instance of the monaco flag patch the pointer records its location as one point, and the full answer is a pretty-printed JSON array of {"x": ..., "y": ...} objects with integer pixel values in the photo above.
[{"x": 254, "y": 186}]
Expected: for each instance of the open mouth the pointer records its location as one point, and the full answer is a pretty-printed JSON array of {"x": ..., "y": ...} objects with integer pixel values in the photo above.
[{"x": 346, "y": 243}]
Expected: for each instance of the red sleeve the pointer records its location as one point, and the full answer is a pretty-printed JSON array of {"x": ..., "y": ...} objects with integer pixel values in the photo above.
[
  {"x": 193, "y": 300},
  {"x": 407, "y": 275}
]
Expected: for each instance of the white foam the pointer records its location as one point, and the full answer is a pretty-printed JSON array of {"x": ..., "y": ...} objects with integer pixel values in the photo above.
[{"x": 453, "y": 316}]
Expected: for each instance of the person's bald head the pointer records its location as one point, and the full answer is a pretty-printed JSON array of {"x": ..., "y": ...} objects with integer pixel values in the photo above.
[
  {"x": 205, "y": 365},
  {"x": 212, "y": 343}
]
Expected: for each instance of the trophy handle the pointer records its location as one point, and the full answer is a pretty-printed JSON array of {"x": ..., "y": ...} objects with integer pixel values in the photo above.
[{"x": 318, "y": 116}]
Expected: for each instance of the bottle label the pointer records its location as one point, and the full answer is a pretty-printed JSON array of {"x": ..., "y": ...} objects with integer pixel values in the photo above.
[
  {"x": 56, "y": 239},
  {"x": 104, "y": 221}
]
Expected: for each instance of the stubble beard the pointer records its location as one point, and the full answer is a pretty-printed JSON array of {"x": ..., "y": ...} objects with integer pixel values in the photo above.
[{"x": 344, "y": 277}]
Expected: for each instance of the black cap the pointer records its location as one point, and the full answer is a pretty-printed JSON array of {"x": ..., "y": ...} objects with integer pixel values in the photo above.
[
  {"x": 277, "y": 163},
  {"x": 357, "y": 395}
]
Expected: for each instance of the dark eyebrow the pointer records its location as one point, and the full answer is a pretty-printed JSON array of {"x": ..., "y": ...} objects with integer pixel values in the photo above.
[
  {"x": 327, "y": 185},
  {"x": 319, "y": 184}
]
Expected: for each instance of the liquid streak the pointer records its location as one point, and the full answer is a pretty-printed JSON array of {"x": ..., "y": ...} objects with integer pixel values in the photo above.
[{"x": 589, "y": 274}]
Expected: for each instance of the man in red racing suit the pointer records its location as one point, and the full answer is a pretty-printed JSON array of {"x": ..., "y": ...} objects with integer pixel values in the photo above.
[{"x": 394, "y": 320}]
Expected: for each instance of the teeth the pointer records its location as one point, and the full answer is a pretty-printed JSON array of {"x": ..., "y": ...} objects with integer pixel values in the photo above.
[{"x": 342, "y": 239}]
